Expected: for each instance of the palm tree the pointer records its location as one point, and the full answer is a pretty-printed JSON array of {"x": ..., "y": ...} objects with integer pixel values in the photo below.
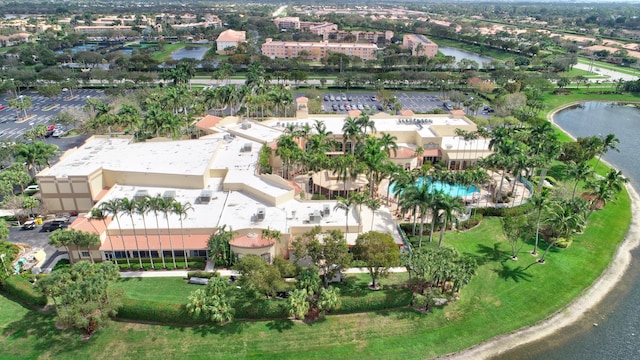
[
  {"x": 98, "y": 213},
  {"x": 373, "y": 204},
  {"x": 166, "y": 208},
  {"x": 182, "y": 210},
  {"x": 155, "y": 205},
  {"x": 564, "y": 221},
  {"x": 423, "y": 199},
  {"x": 113, "y": 207},
  {"x": 539, "y": 201},
  {"x": 605, "y": 189},
  {"x": 579, "y": 172},
  {"x": 448, "y": 205},
  {"x": 344, "y": 204},
  {"x": 142, "y": 207},
  {"x": 608, "y": 142},
  {"x": 129, "y": 207},
  {"x": 388, "y": 143},
  {"x": 350, "y": 131}
]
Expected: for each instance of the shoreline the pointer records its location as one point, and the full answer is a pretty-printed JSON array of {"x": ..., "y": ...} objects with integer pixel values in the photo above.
[{"x": 590, "y": 297}]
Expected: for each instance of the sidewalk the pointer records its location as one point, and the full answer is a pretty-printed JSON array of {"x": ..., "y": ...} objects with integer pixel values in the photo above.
[{"x": 224, "y": 272}]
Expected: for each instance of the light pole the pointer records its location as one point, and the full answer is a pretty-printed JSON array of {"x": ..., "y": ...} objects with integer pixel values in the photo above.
[{"x": 3, "y": 265}]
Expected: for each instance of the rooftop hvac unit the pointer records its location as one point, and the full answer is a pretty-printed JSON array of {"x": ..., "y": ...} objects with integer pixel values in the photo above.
[
  {"x": 169, "y": 195},
  {"x": 261, "y": 213},
  {"x": 140, "y": 194},
  {"x": 204, "y": 197},
  {"x": 326, "y": 210},
  {"x": 245, "y": 125},
  {"x": 315, "y": 217},
  {"x": 246, "y": 147}
]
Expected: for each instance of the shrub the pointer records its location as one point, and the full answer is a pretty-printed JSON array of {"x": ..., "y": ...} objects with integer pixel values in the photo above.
[
  {"x": 22, "y": 288},
  {"x": 193, "y": 264},
  {"x": 318, "y": 197},
  {"x": 563, "y": 243},
  {"x": 471, "y": 222}
]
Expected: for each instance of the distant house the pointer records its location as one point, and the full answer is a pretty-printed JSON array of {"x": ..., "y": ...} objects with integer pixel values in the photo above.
[
  {"x": 229, "y": 39},
  {"x": 13, "y": 40}
]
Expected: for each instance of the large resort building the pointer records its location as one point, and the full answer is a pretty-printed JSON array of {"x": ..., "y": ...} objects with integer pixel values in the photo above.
[{"x": 217, "y": 175}]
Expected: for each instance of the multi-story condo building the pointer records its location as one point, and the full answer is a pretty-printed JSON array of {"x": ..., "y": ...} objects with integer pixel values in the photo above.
[
  {"x": 419, "y": 45},
  {"x": 316, "y": 50}
]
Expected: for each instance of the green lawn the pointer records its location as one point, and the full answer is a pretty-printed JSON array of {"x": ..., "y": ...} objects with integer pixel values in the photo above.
[
  {"x": 504, "y": 296},
  {"x": 174, "y": 290}
]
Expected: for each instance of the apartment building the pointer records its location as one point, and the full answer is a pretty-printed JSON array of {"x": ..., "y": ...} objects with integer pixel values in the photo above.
[
  {"x": 316, "y": 50},
  {"x": 229, "y": 39},
  {"x": 360, "y": 36},
  {"x": 419, "y": 45}
]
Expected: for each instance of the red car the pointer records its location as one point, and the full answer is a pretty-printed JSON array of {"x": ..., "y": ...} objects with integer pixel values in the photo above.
[
  {"x": 1, "y": 107},
  {"x": 51, "y": 127}
]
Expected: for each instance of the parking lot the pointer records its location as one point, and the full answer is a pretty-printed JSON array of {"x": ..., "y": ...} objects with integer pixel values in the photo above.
[
  {"x": 341, "y": 102},
  {"x": 10, "y": 130}
]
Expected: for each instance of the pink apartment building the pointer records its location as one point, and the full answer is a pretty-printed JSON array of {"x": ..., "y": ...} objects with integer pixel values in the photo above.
[
  {"x": 316, "y": 50},
  {"x": 413, "y": 42}
]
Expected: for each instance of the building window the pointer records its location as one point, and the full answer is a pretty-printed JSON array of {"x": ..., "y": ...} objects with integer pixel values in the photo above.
[{"x": 84, "y": 254}]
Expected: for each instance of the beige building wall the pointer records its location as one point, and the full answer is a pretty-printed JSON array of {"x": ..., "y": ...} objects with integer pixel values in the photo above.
[{"x": 111, "y": 178}]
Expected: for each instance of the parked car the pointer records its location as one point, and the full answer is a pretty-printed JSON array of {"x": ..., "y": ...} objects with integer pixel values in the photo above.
[
  {"x": 59, "y": 132},
  {"x": 28, "y": 225},
  {"x": 1, "y": 107},
  {"x": 55, "y": 225},
  {"x": 326, "y": 98},
  {"x": 32, "y": 188}
]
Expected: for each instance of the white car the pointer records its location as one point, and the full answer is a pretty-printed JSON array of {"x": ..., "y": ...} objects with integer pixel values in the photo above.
[
  {"x": 32, "y": 188},
  {"x": 58, "y": 133}
]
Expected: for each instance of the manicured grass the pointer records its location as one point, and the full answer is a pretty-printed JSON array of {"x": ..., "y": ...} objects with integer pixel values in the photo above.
[
  {"x": 504, "y": 296},
  {"x": 167, "y": 49},
  {"x": 174, "y": 290}
]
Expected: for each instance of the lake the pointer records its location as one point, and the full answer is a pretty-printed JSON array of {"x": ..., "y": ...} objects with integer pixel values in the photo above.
[
  {"x": 461, "y": 54},
  {"x": 190, "y": 52},
  {"x": 617, "y": 334}
]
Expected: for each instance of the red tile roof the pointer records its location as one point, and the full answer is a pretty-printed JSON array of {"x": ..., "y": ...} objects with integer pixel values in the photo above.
[
  {"x": 457, "y": 112},
  {"x": 406, "y": 113},
  {"x": 403, "y": 153},
  {"x": 251, "y": 240},
  {"x": 432, "y": 152},
  {"x": 91, "y": 225},
  {"x": 208, "y": 122}
]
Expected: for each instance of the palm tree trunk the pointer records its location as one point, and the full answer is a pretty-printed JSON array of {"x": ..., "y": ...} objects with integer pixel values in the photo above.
[
  {"x": 135, "y": 236},
  {"x": 184, "y": 249},
  {"x": 164, "y": 265},
  {"x": 146, "y": 235},
  {"x": 444, "y": 225},
  {"x": 124, "y": 247},
  {"x": 113, "y": 253},
  {"x": 173, "y": 254}
]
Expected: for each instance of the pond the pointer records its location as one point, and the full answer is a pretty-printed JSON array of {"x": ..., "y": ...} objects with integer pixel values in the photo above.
[
  {"x": 190, "y": 52},
  {"x": 461, "y": 54},
  {"x": 618, "y": 323}
]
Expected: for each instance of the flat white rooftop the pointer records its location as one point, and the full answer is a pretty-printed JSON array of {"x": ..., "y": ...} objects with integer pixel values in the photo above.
[{"x": 188, "y": 157}]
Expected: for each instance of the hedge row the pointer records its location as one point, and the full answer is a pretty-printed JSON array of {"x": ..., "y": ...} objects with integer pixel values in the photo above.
[
  {"x": 507, "y": 211},
  {"x": 201, "y": 274},
  {"x": 135, "y": 265},
  {"x": 23, "y": 289}
]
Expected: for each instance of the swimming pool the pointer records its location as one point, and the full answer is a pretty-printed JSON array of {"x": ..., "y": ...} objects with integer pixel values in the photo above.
[{"x": 451, "y": 190}]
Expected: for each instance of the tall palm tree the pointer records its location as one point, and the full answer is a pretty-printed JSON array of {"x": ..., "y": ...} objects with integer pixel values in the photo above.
[
  {"x": 605, "y": 189},
  {"x": 449, "y": 205},
  {"x": 142, "y": 207},
  {"x": 166, "y": 208},
  {"x": 182, "y": 210},
  {"x": 99, "y": 214},
  {"x": 389, "y": 144},
  {"x": 344, "y": 204},
  {"x": 540, "y": 202},
  {"x": 564, "y": 221},
  {"x": 608, "y": 142},
  {"x": 581, "y": 171},
  {"x": 113, "y": 207},
  {"x": 156, "y": 205},
  {"x": 351, "y": 131},
  {"x": 129, "y": 207}
]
